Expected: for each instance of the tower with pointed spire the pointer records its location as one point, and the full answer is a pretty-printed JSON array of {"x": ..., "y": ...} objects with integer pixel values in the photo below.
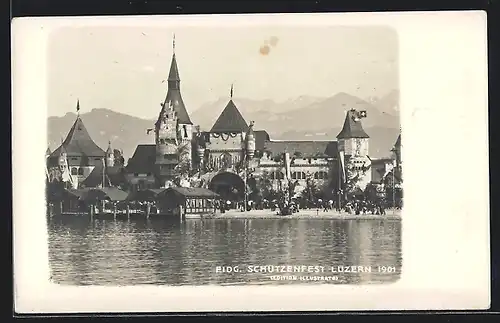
[
  {"x": 110, "y": 156},
  {"x": 173, "y": 129}
]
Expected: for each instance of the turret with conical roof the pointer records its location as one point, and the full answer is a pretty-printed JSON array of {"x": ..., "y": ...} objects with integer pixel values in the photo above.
[
  {"x": 62, "y": 161},
  {"x": 250, "y": 141},
  {"x": 110, "y": 156}
]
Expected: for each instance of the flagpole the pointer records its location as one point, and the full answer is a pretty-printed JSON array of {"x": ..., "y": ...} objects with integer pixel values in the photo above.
[
  {"x": 245, "y": 182},
  {"x": 103, "y": 173}
]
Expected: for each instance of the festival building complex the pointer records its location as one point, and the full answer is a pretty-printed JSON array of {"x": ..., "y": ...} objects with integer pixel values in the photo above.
[{"x": 234, "y": 159}]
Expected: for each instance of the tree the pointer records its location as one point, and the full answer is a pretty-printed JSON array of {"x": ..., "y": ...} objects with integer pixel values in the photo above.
[
  {"x": 353, "y": 175},
  {"x": 183, "y": 169},
  {"x": 393, "y": 189},
  {"x": 311, "y": 192},
  {"x": 264, "y": 185},
  {"x": 118, "y": 157},
  {"x": 371, "y": 193}
]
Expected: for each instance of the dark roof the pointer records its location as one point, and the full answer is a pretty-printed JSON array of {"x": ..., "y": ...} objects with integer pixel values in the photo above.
[
  {"x": 143, "y": 160},
  {"x": 78, "y": 143},
  {"x": 306, "y": 148},
  {"x": 191, "y": 192},
  {"x": 173, "y": 75},
  {"x": 174, "y": 97},
  {"x": 114, "y": 176},
  {"x": 352, "y": 127},
  {"x": 144, "y": 195},
  {"x": 230, "y": 120},
  {"x": 79, "y": 193},
  {"x": 107, "y": 193},
  {"x": 261, "y": 136}
]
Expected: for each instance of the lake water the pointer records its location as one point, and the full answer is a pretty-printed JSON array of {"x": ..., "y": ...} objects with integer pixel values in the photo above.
[{"x": 84, "y": 251}]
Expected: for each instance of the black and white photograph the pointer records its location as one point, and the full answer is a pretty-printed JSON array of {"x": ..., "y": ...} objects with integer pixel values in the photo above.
[{"x": 230, "y": 155}]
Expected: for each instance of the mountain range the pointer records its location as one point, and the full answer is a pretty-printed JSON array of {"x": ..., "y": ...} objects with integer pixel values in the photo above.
[{"x": 301, "y": 118}]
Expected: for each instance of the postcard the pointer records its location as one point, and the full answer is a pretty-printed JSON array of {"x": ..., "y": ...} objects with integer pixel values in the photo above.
[{"x": 295, "y": 162}]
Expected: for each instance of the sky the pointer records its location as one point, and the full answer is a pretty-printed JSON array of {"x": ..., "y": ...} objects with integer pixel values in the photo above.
[{"x": 123, "y": 68}]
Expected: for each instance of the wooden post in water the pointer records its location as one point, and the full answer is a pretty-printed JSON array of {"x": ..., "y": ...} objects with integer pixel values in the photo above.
[
  {"x": 148, "y": 210},
  {"x": 114, "y": 211},
  {"x": 128, "y": 211}
]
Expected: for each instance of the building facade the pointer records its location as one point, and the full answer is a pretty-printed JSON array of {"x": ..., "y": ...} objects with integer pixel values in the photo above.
[
  {"x": 228, "y": 159},
  {"x": 233, "y": 152},
  {"x": 80, "y": 162}
]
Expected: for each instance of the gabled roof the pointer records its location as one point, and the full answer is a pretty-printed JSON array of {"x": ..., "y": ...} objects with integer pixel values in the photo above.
[
  {"x": 144, "y": 195},
  {"x": 305, "y": 148},
  {"x": 143, "y": 160},
  {"x": 78, "y": 143},
  {"x": 191, "y": 192},
  {"x": 352, "y": 127},
  {"x": 230, "y": 120},
  {"x": 107, "y": 193},
  {"x": 114, "y": 176}
]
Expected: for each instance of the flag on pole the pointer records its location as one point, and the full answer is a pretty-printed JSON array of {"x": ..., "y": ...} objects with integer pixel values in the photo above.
[
  {"x": 362, "y": 114},
  {"x": 341, "y": 163},
  {"x": 78, "y": 106},
  {"x": 231, "y": 91}
]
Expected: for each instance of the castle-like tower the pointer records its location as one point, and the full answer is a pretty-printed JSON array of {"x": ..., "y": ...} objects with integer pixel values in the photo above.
[
  {"x": 173, "y": 129},
  {"x": 353, "y": 145}
]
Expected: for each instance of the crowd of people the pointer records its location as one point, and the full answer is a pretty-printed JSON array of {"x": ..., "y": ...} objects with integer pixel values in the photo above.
[{"x": 286, "y": 207}]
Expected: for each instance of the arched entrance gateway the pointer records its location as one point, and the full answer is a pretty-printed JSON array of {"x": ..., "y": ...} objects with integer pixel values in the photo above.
[{"x": 228, "y": 185}]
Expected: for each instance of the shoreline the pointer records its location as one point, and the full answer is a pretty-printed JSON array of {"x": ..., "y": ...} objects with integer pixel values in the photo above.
[{"x": 305, "y": 214}]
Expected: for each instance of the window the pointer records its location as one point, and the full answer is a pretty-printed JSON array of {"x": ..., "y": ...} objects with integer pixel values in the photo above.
[
  {"x": 136, "y": 174},
  {"x": 74, "y": 158},
  {"x": 185, "y": 131},
  {"x": 294, "y": 175},
  {"x": 273, "y": 175},
  {"x": 98, "y": 159},
  {"x": 303, "y": 175},
  {"x": 279, "y": 175},
  {"x": 80, "y": 171},
  {"x": 74, "y": 171}
]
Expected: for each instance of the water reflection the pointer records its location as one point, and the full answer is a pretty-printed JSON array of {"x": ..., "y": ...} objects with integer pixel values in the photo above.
[{"x": 84, "y": 251}]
